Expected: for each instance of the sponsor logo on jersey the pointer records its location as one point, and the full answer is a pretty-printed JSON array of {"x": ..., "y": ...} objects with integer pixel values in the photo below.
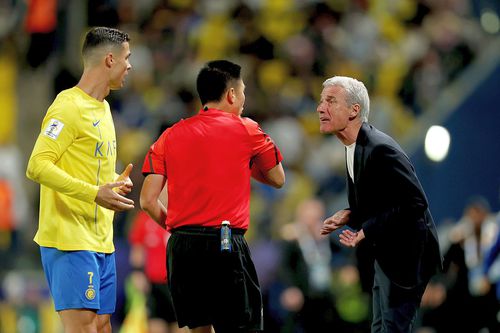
[
  {"x": 53, "y": 129},
  {"x": 90, "y": 293},
  {"x": 105, "y": 148}
]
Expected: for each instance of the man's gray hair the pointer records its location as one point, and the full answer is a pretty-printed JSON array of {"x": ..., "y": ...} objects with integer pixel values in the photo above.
[{"x": 356, "y": 93}]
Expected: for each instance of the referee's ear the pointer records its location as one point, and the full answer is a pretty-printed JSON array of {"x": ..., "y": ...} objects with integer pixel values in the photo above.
[{"x": 231, "y": 96}]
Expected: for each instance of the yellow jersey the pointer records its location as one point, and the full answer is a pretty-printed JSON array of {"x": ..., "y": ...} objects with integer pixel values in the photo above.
[{"x": 74, "y": 153}]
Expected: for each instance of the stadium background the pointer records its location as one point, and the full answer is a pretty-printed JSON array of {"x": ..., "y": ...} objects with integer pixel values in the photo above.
[{"x": 424, "y": 62}]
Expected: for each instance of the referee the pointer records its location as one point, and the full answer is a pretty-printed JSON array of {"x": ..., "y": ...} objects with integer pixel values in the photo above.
[{"x": 208, "y": 160}]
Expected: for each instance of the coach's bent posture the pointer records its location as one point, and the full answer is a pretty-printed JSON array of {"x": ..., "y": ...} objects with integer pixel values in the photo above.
[{"x": 387, "y": 206}]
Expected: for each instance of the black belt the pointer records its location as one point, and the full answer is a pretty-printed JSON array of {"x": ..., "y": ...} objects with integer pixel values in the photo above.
[{"x": 195, "y": 230}]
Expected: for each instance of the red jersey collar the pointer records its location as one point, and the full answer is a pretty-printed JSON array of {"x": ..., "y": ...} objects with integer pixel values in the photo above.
[{"x": 211, "y": 110}]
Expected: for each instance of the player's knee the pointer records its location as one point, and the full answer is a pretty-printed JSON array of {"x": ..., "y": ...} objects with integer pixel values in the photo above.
[
  {"x": 78, "y": 321},
  {"x": 104, "y": 324}
]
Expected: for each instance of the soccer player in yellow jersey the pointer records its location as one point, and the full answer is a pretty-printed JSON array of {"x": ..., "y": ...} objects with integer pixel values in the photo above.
[{"x": 74, "y": 160}]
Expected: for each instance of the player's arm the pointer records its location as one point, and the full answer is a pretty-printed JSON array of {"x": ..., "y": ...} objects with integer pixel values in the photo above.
[
  {"x": 153, "y": 199},
  {"x": 58, "y": 132}
]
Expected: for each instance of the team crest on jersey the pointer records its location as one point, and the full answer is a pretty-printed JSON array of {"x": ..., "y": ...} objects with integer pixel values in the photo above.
[
  {"x": 90, "y": 294},
  {"x": 54, "y": 128}
]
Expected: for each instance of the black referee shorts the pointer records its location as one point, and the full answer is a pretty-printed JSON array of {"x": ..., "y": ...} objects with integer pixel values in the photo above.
[
  {"x": 210, "y": 287},
  {"x": 159, "y": 303}
]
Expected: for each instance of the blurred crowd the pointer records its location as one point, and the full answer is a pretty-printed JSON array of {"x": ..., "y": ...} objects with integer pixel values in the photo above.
[{"x": 406, "y": 52}]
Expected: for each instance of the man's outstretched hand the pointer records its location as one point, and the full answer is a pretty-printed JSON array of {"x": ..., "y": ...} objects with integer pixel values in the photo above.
[
  {"x": 351, "y": 238},
  {"x": 336, "y": 221}
]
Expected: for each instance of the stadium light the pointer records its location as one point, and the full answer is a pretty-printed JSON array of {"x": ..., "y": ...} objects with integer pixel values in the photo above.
[
  {"x": 437, "y": 143},
  {"x": 490, "y": 21}
]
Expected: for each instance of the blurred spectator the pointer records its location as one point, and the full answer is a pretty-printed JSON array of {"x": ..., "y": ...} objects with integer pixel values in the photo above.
[
  {"x": 307, "y": 299},
  {"x": 8, "y": 94},
  {"x": 475, "y": 233},
  {"x": 491, "y": 266},
  {"x": 102, "y": 13},
  {"x": 41, "y": 23},
  {"x": 468, "y": 306},
  {"x": 26, "y": 306},
  {"x": 14, "y": 205},
  {"x": 148, "y": 259},
  {"x": 352, "y": 303}
]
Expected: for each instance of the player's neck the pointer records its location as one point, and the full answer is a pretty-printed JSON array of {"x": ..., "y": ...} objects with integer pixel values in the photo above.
[{"x": 94, "y": 84}]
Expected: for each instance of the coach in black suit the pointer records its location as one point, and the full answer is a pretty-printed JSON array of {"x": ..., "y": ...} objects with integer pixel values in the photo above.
[{"x": 387, "y": 206}]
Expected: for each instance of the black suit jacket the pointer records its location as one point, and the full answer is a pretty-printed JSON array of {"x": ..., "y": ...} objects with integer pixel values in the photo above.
[{"x": 387, "y": 201}]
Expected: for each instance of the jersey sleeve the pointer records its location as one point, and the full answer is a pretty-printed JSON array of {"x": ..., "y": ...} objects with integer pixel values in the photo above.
[
  {"x": 266, "y": 155},
  {"x": 59, "y": 130},
  {"x": 154, "y": 162}
]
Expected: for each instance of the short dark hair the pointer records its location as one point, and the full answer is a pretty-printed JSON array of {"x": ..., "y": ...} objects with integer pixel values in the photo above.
[
  {"x": 214, "y": 78},
  {"x": 99, "y": 36}
]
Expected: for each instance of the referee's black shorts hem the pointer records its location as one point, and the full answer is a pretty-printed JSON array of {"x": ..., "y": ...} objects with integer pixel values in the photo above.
[{"x": 210, "y": 287}]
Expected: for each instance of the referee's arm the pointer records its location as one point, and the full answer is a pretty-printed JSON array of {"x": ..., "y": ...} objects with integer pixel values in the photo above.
[
  {"x": 153, "y": 199},
  {"x": 274, "y": 177}
]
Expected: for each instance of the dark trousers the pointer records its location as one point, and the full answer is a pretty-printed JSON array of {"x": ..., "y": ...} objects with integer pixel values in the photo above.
[{"x": 394, "y": 307}]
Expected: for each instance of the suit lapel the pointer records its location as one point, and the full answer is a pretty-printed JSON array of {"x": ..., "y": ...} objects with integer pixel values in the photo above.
[
  {"x": 351, "y": 191},
  {"x": 359, "y": 163},
  {"x": 359, "y": 152}
]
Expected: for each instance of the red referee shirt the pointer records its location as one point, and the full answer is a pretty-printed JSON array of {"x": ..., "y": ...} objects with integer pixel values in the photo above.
[{"x": 207, "y": 159}]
